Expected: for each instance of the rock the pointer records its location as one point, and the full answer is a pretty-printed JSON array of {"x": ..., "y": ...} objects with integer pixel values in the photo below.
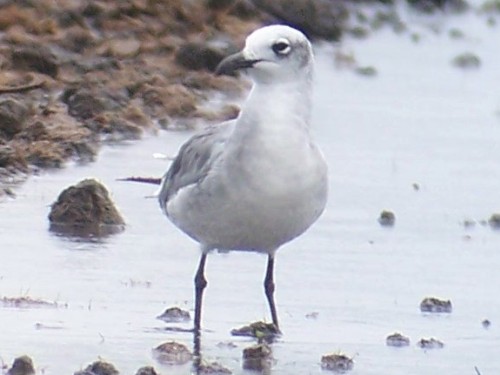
[
  {"x": 494, "y": 221},
  {"x": 174, "y": 100},
  {"x": 467, "y": 60},
  {"x": 212, "y": 368},
  {"x": 435, "y": 305},
  {"x": 114, "y": 127},
  {"x": 337, "y": 362},
  {"x": 22, "y": 366},
  {"x": 35, "y": 58},
  {"x": 219, "y": 4},
  {"x": 172, "y": 353},
  {"x": 260, "y": 330},
  {"x": 257, "y": 357},
  {"x": 7, "y": 156},
  {"x": 198, "y": 56},
  {"x": 367, "y": 71},
  {"x": 83, "y": 104},
  {"x": 431, "y": 343},
  {"x": 397, "y": 339},
  {"x": 13, "y": 115},
  {"x": 85, "y": 208},
  {"x": 429, "y": 6},
  {"x": 387, "y": 218},
  {"x": 146, "y": 370},
  {"x": 174, "y": 315},
  {"x": 321, "y": 18},
  {"x": 99, "y": 368},
  {"x": 123, "y": 48}
]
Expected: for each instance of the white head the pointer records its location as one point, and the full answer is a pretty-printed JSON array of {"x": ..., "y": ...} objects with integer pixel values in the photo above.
[{"x": 272, "y": 54}]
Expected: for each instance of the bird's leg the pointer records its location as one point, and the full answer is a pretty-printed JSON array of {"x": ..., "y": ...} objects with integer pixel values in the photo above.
[
  {"x": 199, "y": 285},
  {"x": 269, "y": 289}
]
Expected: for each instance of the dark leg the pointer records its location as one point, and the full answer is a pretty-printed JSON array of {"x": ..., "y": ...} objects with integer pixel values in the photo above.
[
  {"x": 199, "y": 285},
  {"x": 269, "y": 289}
]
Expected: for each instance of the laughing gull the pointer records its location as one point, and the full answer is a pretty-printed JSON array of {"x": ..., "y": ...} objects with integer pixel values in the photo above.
[{"x": 259, "y": 181}]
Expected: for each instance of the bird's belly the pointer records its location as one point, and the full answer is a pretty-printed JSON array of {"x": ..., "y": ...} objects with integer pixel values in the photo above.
[{"x": 238, "y": 216}]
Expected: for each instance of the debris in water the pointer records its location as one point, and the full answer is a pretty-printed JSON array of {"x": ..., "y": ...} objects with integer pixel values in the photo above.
[
  {"x": 172, "y": 353},
  {"x": 435, "y": 305},
  {"x": 26, "y": 302},
  {"x": 337, "y": 362},
  {"x": 397, "y": 339},
  {"x": 259, "y": 330}
]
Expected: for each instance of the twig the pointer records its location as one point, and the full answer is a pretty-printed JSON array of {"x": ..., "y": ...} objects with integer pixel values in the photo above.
[
  {"x": 146, "y": 180},
  {"x": 477, "y": 370}
]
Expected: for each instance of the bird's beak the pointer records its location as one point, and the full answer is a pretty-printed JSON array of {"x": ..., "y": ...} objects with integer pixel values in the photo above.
[{"x": 233, "y": 63}]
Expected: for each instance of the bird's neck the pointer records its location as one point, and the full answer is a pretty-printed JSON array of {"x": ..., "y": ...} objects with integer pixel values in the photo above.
[{"x": 277, "y": 106}]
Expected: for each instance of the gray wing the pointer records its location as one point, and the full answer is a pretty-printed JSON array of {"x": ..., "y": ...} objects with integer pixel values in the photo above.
[{"x": 194, "y": 160}]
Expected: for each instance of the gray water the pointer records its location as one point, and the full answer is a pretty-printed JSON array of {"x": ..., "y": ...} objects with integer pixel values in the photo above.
[{"x": 419, "y": 121}]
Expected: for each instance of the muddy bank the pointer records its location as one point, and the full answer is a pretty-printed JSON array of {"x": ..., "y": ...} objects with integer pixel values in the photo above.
[{"x": 75, "y": 75}]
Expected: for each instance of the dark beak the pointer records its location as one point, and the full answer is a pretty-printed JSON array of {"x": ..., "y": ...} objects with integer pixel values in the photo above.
[{"x": 233, "y": 63}]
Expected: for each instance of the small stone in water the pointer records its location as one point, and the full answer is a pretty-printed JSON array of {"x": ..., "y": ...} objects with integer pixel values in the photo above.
[
  {"x": 257, "y": 357},
  {"x": 22, "y": 366},
  {"x": 397, "y": 340},
  {"x": 435, "y": 305},
  {"x": 494, "y": 221},
  {"x": 213, "y": 368},
  {"x": 431, "y": 343},
  {"x": 387, "y": 218},
  {"x": 337, "y": 362},
  {"x": 172, "y": 353},
  {"x": 146, "y": 370},
  {"x": 486, "y": 323},
  {"x": 174, "y": 315}
]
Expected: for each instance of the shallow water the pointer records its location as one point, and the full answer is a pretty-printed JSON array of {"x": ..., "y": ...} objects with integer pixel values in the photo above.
[{"x": 420, "y": 121}]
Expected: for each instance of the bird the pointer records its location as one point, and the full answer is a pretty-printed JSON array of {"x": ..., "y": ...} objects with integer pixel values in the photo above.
[{"x": 258, "y": 181}]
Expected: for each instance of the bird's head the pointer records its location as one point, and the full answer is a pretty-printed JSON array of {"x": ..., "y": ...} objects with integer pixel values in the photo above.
[{"x": 272, "y": 53}]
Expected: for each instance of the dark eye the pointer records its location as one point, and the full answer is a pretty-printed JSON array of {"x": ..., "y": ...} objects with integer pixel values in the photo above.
[{"x": 281, "y": 47}]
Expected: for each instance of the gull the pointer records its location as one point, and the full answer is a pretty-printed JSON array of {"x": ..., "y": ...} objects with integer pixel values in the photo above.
[{"x": 256, "y": 182}]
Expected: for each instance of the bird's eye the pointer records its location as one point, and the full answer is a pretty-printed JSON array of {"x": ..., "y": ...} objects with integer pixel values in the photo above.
[{"x": 281, "y": 47}]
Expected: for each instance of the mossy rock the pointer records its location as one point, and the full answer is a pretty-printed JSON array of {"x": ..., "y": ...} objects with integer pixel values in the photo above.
[{"x": 85, "y": 209}]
